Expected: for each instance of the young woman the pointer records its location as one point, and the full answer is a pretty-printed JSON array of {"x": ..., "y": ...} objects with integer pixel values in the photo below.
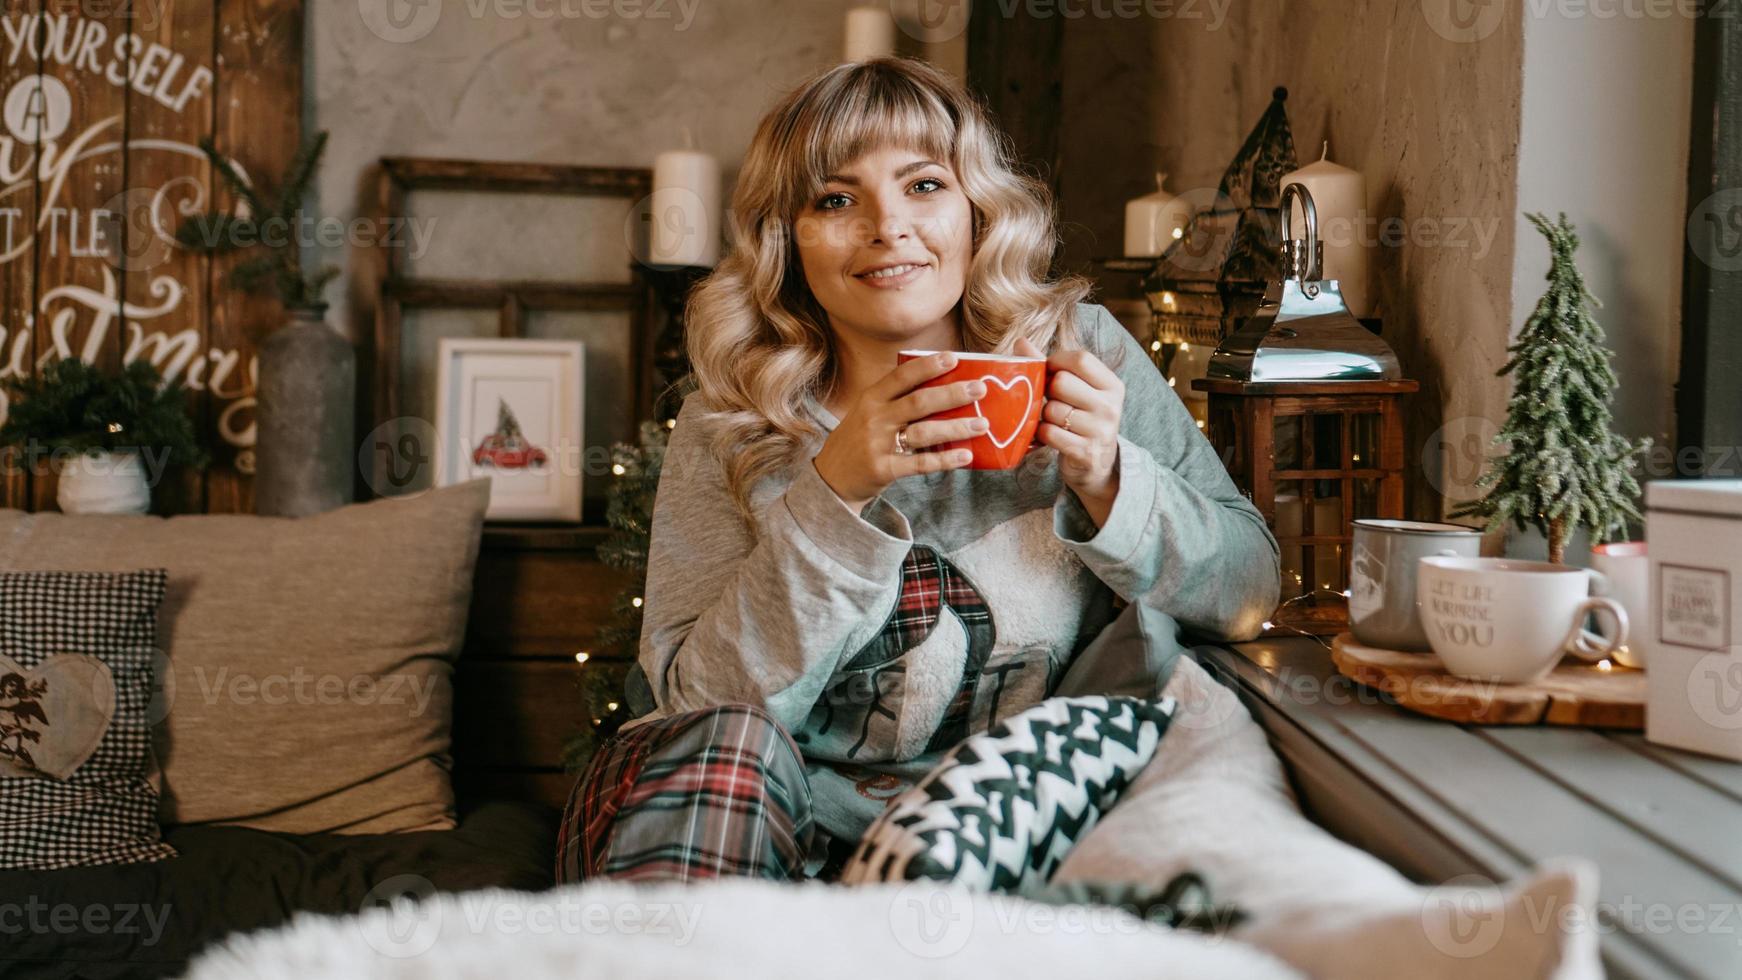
[{"x": 832, "y": 604}]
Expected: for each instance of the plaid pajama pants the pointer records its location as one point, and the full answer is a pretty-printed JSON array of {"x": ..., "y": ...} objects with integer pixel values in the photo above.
[{"x": 709, "y": 793}]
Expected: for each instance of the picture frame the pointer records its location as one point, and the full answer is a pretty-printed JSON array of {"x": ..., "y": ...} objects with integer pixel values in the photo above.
[
  {"x": 511, "y": 410},
  {"x": 613, "y": 309}
]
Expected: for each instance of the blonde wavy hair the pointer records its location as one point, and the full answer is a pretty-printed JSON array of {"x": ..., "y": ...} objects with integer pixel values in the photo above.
[{"x": 759, "y": 342}]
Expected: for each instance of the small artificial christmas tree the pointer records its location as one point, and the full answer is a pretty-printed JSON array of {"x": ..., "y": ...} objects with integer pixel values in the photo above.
[
  {"x": 1563, "y": 467},
  {"x": 629, "y": 511}
]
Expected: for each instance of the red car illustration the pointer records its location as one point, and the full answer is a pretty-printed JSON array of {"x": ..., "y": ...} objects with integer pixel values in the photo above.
[
  {"x": 507, "y": 448},
  {"x": 507, "y": 454}
]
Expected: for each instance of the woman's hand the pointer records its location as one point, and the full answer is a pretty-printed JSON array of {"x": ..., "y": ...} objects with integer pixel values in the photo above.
[
  {"x": 1081, "y": 420},
  {"x": 861, "y": 456}
]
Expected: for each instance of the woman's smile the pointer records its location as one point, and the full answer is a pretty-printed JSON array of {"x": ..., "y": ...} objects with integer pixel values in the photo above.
[{"x": 893, "y": 276}]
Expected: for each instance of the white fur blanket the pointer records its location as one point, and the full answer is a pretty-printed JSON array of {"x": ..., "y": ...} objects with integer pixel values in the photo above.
[{"x": 731, "y": 928}]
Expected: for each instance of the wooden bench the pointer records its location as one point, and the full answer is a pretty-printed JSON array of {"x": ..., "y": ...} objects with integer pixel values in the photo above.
[{"x": 1438, "y": 800}]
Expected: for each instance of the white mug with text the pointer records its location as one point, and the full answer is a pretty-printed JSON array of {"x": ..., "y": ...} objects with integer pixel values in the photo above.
[{"x": 1507, "y": 620}]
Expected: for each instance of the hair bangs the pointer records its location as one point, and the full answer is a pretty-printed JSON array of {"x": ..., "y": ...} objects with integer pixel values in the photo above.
[{"x": 874, "y": 108}]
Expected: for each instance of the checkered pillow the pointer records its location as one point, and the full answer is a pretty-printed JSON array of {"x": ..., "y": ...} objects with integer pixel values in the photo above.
[
  {"x": 76, "y": 664},
  {"x": 1004, "y": 807}
]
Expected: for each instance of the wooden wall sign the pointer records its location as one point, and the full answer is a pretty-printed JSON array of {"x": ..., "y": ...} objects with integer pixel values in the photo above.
[{"x": 102, "y": 108}]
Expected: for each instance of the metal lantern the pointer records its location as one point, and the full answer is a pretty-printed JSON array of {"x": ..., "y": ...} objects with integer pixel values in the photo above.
[
  {"x": 1305, "y": 406},
  {"x": 1313, "y": 456},
  {"x": 1303, "y": 331}
]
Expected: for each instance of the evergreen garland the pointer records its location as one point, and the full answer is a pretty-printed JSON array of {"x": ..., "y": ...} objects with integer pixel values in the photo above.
[
  {"x": 1563, "y": 467},
  {"x": 629, "y": 511},
  {"x": 71, "y": 405}
]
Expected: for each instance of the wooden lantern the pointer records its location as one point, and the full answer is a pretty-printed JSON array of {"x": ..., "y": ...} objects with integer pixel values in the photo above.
[{"x": 1313, "y": 456}]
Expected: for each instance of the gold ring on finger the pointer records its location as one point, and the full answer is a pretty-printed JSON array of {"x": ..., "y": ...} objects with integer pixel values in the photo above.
[
  {"x": 1070, "y": 410},
  {"x": 901, "y": 442}
]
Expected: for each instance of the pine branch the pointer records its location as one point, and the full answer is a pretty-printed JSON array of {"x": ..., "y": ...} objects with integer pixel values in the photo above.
[
  {"x": 299, "y": 173},
  {"x": 233, "y": 178},
  {"x": 215, "y": 233},
  {"x": 250, "y": 274}
]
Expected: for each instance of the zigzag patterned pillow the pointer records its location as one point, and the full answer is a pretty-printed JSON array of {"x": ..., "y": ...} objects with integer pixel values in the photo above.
[{"x": 1005, "y": 807}]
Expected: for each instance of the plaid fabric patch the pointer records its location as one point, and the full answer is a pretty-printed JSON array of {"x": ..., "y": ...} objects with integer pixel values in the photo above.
[
  {"x": 929, "y": 584},
  {"x": 916, "y": 611},
  {"x": 704, "y": 794}
]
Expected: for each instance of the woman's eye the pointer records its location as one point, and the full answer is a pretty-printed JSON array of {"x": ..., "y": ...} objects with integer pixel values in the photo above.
[
  {"x": 826, "y": 205},
  {"x": 929, "y": 180}
]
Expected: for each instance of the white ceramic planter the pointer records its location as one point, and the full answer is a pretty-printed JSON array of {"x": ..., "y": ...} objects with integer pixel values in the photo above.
[{"x": 103, "y": 483}]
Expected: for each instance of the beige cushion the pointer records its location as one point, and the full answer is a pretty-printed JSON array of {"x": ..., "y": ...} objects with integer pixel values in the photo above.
[{"x": 311, "y": 656}]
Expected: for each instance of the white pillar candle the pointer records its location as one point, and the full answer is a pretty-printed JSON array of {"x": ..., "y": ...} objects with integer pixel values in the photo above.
[
  {"x": 685, "y": 209},
  {"x": 1154, "y": 221},
  {"x": 870, "y": 33},
  {"x": 1327, "y": 520},
  {"x": 1340, "y": 199}
]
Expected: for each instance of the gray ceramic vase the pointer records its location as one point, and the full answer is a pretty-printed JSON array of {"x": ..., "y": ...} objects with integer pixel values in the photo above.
[{"x": 304, "y": 454}]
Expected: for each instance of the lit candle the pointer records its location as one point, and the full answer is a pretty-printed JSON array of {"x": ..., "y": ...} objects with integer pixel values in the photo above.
[
  {"x": 870, "y": 33},
  {"x": 1327, "y": 520},
  {"x": 1340, "y": 200},
  {"x": 685, "y": 209},
  {"x": 1154, "y": 221}
]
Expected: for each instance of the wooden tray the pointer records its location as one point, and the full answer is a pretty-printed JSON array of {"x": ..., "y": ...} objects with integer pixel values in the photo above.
[{"x": 1574, "y": 693}]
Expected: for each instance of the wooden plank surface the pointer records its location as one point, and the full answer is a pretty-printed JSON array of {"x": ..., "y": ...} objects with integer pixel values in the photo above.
[
  {"x": 18, "y": 262},
  {"x": 257, "y": 121},
  {"x": 1680, "y": 816},
  {"x": 517, "y": 714},
  {"x": 128, "y": 92},
  {"x": 549, "y": 786},
  {"x": 166, "y": 286},
  {"x": 1494, "y": 801},
  {"x": 78, "y": 288},
  {"x": 539, "y": 604}
]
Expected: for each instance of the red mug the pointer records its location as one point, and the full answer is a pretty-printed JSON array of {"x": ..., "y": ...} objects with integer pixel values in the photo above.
[{"x": 1015, "y": 393}]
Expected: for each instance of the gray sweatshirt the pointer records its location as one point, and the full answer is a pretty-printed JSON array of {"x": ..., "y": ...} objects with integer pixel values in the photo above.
[{"x": 881, "y": 638}]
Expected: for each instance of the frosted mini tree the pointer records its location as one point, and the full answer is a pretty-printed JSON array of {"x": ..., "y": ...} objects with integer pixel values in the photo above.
[{"x": 1563, "y": 468}]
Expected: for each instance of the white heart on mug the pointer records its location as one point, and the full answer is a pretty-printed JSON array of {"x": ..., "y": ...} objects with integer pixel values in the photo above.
[{"x": 1007, "y": 386}]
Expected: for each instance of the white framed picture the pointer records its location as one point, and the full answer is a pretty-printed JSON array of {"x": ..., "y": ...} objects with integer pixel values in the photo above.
[{"x": 510, "y": 410}]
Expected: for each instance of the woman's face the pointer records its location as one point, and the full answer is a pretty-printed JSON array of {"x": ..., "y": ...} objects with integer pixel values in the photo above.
[{"x": 885, "y": 247}]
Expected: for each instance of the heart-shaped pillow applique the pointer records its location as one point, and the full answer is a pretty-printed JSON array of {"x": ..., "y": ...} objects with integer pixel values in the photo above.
[{"x": 53, "y": 716}]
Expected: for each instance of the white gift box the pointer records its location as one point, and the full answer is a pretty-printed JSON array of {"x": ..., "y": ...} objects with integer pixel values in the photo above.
[{"x": 1693, "y": 532}]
